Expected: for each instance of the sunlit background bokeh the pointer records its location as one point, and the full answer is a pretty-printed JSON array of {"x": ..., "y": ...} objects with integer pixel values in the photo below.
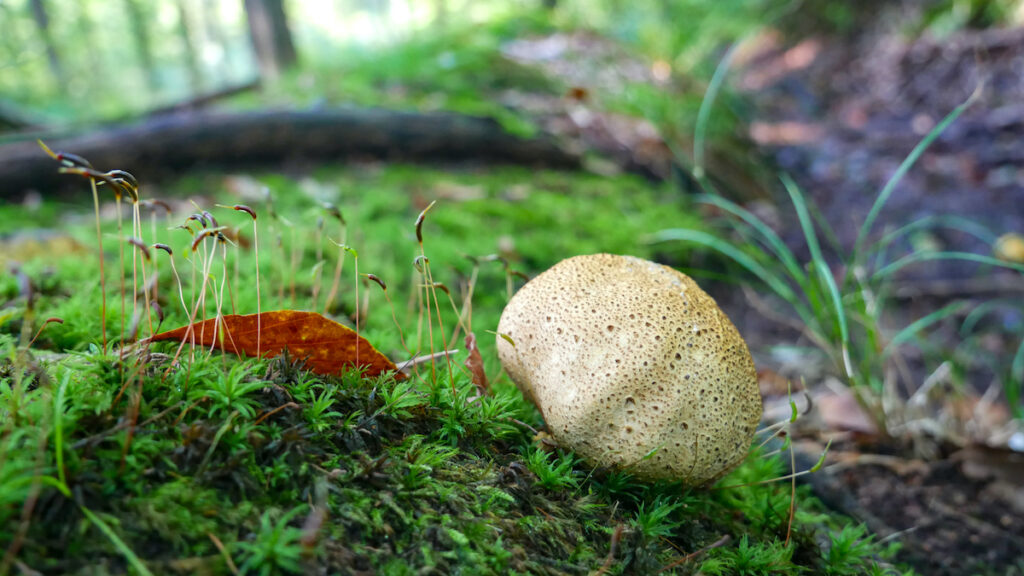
[{"x": 88, "y": 60}]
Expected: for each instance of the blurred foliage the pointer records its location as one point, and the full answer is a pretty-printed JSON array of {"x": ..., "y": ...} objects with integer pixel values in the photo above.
[
  {"x": 688, "y": 34},
  {"x": 936, "y": 17},
  {"x": 104, "y": 70},
  {"x": 946, "y": 16},
  {"x": 123, "y": 58},
  {"x": 459, "y": 68}
]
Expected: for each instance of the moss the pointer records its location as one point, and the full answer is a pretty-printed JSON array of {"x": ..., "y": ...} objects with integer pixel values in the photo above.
[{"x": 280, "y": 470}]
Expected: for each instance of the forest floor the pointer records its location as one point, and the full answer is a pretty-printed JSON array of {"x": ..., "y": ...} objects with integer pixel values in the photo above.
[{"x": 839, "y": 114}]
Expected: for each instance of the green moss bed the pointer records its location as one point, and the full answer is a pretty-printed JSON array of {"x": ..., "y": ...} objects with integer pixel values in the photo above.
[{"x": 221, "y": 465}]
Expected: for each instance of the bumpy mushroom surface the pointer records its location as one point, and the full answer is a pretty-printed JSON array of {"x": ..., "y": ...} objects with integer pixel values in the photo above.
[{"x": 633, "y": 366}]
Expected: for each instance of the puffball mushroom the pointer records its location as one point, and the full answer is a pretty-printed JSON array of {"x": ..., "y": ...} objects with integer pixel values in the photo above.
[{"x": 634, "y": 367}]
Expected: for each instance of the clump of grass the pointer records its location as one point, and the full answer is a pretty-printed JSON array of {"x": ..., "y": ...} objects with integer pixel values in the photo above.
[
  {"x": 1010, "y": 378},
  {"x": 842, "y": 314},
  {"x": 276, "y": 548},
  {"x": 653, "y": 519},
  {"x": 553, "y": 471}
]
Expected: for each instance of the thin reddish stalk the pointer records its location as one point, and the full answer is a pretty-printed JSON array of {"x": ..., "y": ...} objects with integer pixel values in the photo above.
[{"x": 103, "y": 275}]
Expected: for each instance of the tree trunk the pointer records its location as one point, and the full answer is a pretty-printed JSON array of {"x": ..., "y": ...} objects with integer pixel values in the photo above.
[
  {"x": 143, "y": 46},
  {"x": 440, "y": 13},
  {"x": 99, "y": 76},
  {"x": 13, "y": 118},
  {"x": 271, "y": 38},
  {"x": 215, "y": 34},
  {"x": 204, "y": 100},
  {"x": 195, "y": 74},
  {"x": 43, "y": 23},
  {"x": 11, "y": 41}
]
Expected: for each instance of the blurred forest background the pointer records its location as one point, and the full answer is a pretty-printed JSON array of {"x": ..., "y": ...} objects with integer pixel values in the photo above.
[
  {"x": 102, "y": 60},
  {"x": 106, "y": 59}
]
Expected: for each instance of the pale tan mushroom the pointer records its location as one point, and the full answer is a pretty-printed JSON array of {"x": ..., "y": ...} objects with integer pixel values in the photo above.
[{"x": 633, "y": 366}]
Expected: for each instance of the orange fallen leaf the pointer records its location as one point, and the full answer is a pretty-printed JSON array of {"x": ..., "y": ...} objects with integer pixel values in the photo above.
[
  {"x": 328, "y": 347},
  {"x": 475, "y": 363}
]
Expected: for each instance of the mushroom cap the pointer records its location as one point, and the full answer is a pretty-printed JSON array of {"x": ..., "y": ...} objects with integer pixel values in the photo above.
[{"x": 634, "y": 367}]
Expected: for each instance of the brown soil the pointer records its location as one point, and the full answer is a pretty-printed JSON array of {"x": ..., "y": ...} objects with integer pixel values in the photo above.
[{"x": 947, "y": 522}]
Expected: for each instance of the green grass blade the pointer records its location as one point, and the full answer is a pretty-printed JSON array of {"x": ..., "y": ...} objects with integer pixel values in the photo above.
[
  {"x": 822, "y": 268},
  {"x": 123, "y": 548},
  {"x": 898, "y": 265},
  {"x": 905, "y": 167},
  {"x": 965, "y": 225},
  {"x": 1017, "y": 367},
  {"x": 826, "y": 230},
  {"x": 771, "y": 239},
  {"x": 50, "y": 481},
  {"x": 773, "y": 281},
  {"x": 704, "y": 113},
  {"x": 975, "y": 316},
  {"x": 737, "y": 255},
  {"x": 58, "y": 425},
  {"x": 920, "y": 324}
]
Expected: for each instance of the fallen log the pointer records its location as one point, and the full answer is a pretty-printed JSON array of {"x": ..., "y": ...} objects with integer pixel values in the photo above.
[
  {"x": 160, "y": 147},
  {"x": 13, "y": 117},
  {"x": 204, "y": 100}
]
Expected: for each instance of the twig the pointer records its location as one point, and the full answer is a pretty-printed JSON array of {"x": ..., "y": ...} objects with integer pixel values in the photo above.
[
  {"x": 100, "y": 436},
  {"x": 524, "y": 424},
  {"x": 613, "y": 551},
  {"x": 897, "y": 465},
  {"x": 404, "y": 366},
  {"x": 716, "y": 544},
  {"x": 275, "y": 411},
  {"x": 224, "y": 552}
]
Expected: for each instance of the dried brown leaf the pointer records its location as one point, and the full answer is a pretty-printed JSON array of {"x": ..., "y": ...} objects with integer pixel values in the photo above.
[
  {"x": 328, "y": 347},
  {"x": 475, "y": 363}
]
